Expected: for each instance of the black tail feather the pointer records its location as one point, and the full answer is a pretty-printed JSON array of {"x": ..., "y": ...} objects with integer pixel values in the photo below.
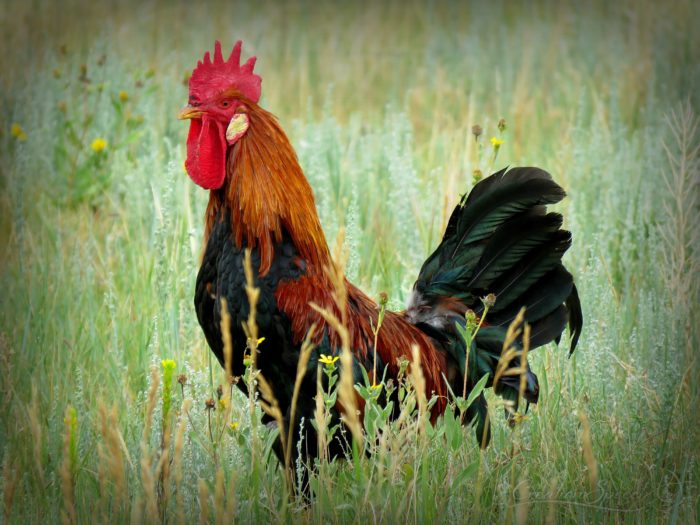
[
  {"x": 550, "y": 291},
  {"x": 499, "y": 240},
  {"x": 573, "y": 306}
]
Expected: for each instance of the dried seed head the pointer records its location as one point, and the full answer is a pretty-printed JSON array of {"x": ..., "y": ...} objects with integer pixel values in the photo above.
[
  {"x": 182, "y": 379},
  {"x": 219, "y": 392},
  {"x": 489, "y": 300},
  {"x": 477, "y": 175},
  {"x": 383, "y": 298},
  {"x": 502, "y": 125},
  {"x": 477, "y": 130},
  {"x": 209, "y": 404},
  {"x": 470, "y": 316}
]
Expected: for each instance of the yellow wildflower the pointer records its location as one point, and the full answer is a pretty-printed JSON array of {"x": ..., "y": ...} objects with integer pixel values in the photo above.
[
  {"x": 376, "y": 386},
  {"x": 257, "y": 342},
  {"x": 123, "y": 96},
  {"x": 18, "y": 132},
  {"x": 168, "y": 364},
  {"x": 497, "y": 142},
  {"x": 233, "y": 425},
  {"x": 328, "y": 360},
  {"x": 98, "y": 145}
]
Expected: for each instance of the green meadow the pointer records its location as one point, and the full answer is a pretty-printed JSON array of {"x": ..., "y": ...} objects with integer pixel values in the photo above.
[{"x": 106, "y": 380}]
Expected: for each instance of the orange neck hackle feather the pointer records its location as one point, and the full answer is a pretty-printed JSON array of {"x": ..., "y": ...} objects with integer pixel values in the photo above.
[{"x": 267, "y": 193}]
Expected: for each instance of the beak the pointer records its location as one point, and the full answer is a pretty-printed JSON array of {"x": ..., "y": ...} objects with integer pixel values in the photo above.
[{"x": 189, "y": 112}]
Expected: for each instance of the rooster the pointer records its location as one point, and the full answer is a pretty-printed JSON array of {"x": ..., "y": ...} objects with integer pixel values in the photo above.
[{"x": 499, "y": 241}]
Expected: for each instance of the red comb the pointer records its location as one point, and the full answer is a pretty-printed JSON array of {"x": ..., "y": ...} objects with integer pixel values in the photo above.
[{"x": 210, "y": 78}]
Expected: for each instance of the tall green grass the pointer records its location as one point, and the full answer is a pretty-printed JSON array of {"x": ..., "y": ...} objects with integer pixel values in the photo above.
[{"x": 101, "y": 250}]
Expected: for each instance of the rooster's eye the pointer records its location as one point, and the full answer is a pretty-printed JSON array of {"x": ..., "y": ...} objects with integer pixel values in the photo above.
[{"x": 225, "y": 103}]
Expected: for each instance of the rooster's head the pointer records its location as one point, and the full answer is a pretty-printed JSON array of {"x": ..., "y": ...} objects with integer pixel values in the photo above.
[{"x": 219, "y": 94}]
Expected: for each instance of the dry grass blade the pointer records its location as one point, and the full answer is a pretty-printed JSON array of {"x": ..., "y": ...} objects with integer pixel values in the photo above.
[
  {"x": 162, "y": 472},
  {"x": 35, "y": 427},
  {"x": 347, "y": 397},
  {"x": 150, "y": 406},
  {"x": 112, "y": 457},
  {"x": 418, "y": 382},
  {"x": 307, "y": 348},
  {"x": 67, "y": 470},
  {"x": 148, "y": 481},
  {"x": 228, "y": 379},
  {"x": 337, "y": 275},
  {"x": 177, "y": 461},
  {"x": 226, "y": 339},
  {"x": 253, "y": 293},
  {"x": 523, "y": 505},
  {"x": 509, "y": 351},
  {"x": 270, "y": 405},
  {"x": 679, "y": 229},
  {"x": 250, "y": 327},
  {"x": 587, "y": 445},
  {"x": 6, "y": 372},
  {"x": 321, "y": 419},
  {"x": 203, "y": 493},
  {"x": 136, "y": 511},
  {"x": 551, "y": 518},
  {"x": 220, "y": 499},
  {"x": 10, "y": 478},
  {"x": 523, "y": 363}
]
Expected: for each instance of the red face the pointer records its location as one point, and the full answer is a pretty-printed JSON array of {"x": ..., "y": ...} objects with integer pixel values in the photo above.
[
  {"x": 207, "y": 140},
  {"x": 217, "y": 113}
]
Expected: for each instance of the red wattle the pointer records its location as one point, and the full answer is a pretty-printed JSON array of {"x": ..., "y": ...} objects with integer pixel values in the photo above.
[{"x": 206, "y": 153}]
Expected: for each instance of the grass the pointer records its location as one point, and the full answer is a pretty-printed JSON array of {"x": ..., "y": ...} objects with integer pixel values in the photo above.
[{"x": 101, "y": 250}]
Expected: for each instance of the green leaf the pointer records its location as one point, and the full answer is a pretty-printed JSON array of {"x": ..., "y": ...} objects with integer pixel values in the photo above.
[
  {"x": 477, "y": 390},
  {"x": 463, "y": 476}
]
